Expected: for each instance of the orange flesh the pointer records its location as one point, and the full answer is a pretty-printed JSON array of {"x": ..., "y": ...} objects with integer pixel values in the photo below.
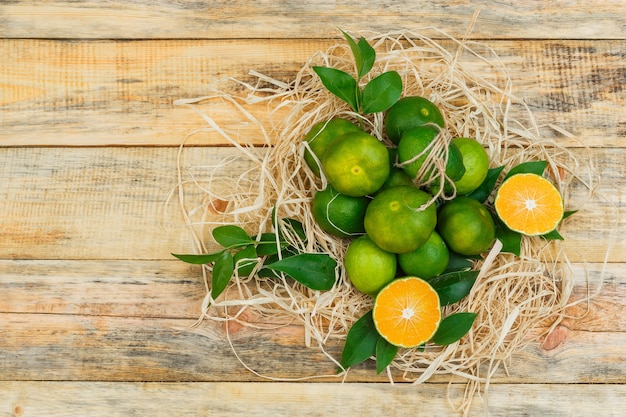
[
  {"x": 529, "y": 204},
  {"x": 407, "y": 312}
]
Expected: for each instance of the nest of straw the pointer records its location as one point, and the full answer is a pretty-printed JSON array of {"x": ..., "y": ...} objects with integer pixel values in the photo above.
[{"x": 517, "y": 299}]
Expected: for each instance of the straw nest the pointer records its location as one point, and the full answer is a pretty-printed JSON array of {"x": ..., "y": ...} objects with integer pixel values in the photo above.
[{"x": 518, "y": 299}]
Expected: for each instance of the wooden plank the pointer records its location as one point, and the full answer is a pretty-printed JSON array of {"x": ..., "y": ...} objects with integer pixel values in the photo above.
[
  {"x": 95, "y": 93},
  {"x": 35, "y": 399},
  {"x": 99, "y": 348},
  {"x": 163, "y": 289},
  {"x": 175, "y": 290},
  {"x": 110, "y": 203},
  {"x": 293, "y": 19}
]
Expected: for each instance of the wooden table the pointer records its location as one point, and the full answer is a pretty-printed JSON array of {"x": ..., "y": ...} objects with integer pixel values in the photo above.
[{"x": 95, "y": 313}]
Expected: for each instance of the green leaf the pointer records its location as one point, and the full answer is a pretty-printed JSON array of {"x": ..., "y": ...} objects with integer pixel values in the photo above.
[
  {"x": 453, "y": 286},
  {"x": 222, "y": 273},
  {"x": 292, "y": 227},
  {"x": 368, "y": 55},
  {"x": 245, "y": 260},
  {"x": 205, "y": 258},
  {"x": 568, "y": 213},
  {"x": 231, "y": 235},
  {"x": 453, "y": 328},
  {"x": 553, "y": 235},
  {"x": 268, "y": 245},
  {"x": 361, "y": 342},
  {"x": 315, "y": 270},
  {"x": 382, "y": 92},
  {"x": 530, "y": 167},
  {"x": 385, "y": 353},
  {"x": 511, "y": 241},
  {"x": 458, "y": 262},
  {"x": 486, "y": 188},
  {"x": 364, "y": 55},
  {"x": 341, "y": 84}
]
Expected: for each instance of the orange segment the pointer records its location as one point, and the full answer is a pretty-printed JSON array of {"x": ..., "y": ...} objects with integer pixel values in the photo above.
[
  {"x": 407, "y": 312},
  {"x": 529, "y": 204}
]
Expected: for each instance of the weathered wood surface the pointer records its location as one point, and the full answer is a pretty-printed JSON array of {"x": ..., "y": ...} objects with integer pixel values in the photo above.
[
  {"x": 563, "y": 19},
  {"x": 131, "y": 321},
  {"x": 95, "y": 315},
  {"x": 110, "y": 203},
  {"x": 122, "y": 93},
  {"x": 39, "y": 399}
]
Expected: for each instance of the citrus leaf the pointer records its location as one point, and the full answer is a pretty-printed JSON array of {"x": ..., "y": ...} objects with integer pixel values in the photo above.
[
  {"x": 341, "y": 84},
  {"x": 205, "y": 258},
  {"x": 364, "y": 55},
  {"x": 268, "y": 245},
  {"x": 568, "y": 213},
  {"x": 530, "y": 167},
  {"x": 553, "y": 235},
  {"x": 222, "y": 273},
  {"x": 382, "y": 92},
  {"x": 511, "y": 241},
  {"x": 368, "y": 54},
  {"x": 458, "y": 262},
  {"x": 315, "y": 270},
  {"x": 453, "y": 286},
  {"x": 361, "y": 341},
  {"x": 385, "y": 353},
  {"x": 486, "y": 188},
  {"x": 231, "y": 235},
  {"x": 453, "y": 328},
  {"x": 291, "y": 227},
  {"x": 245, "y": 260}
]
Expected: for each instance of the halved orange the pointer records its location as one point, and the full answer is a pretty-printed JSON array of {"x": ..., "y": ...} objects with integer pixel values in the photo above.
[
  {"x": 529, "y": 204},
  {"x": 407, "y": 312}
]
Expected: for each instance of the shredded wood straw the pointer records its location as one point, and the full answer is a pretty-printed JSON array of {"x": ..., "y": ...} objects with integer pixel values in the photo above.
[{"x": 518, "y": 299}]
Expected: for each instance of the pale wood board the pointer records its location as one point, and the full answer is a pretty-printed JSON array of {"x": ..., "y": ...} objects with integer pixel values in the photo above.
[
  {"x": 97, "y": 317},
  {"x": 563, "y": 19},
  {"x": 122, "y": 93},
  {"x": 170, "y": 289},
  {"x": 119, "y": 321},
  {"x": 113, "y": 203},
  {"x": 39, "y": 399},
  {"x": 102, "y": 348}
]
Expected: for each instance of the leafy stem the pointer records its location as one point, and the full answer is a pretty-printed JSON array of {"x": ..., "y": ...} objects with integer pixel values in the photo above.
[
  {"x": 378, "y": 94},
  {"x": 270, "y": 254}
]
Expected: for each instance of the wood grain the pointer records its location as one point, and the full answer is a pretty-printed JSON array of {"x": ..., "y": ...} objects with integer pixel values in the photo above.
[
  {"x": 132, "y": 321},
  {"x": 110, "y": 203},
  {"x": 100, "y": 348},
  {"x": 100, "y": 93},
  {"x": 96, "y": 317},
  {"x": 171, "y": 289},
  {"x": 39, "y": 399},
  {"x": 564, "y": 19},
  {"x": 146, "y": 289}
]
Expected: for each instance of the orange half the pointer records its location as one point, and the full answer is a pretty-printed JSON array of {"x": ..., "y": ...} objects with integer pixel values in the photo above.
[
  {"x": 407, "y": 312},
  {"x": 529, "y": 204}
]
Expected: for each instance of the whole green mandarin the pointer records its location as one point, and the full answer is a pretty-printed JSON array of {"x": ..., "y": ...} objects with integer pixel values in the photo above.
[
  {"x": 356, "y": 164},
  {"x": 476, "y": 163},
  {"x": 321, "y": 135},
  {"x": 416, "y": 147},
  {"x": 369, "y": 267},
  {"x": 410, "y": 112},
  {"x": 400, "y": 219},
  {"x": 412, "y": 149},
  {"x": 339, "y": 214},
  {"x": 427, "y": 261},
  {"x": 466, "y": 226}
]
